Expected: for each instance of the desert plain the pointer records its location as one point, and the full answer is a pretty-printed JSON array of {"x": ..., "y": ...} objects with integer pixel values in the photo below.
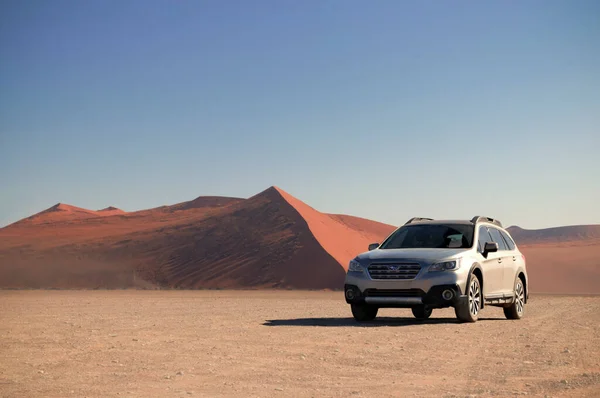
[{"x": 252, "y": 343}]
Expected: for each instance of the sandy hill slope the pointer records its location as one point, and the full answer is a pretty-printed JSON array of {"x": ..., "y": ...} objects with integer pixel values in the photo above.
[
  {"x": 372, "y": 229},
  {"x": 343, "y": 237},
  {"x": 204, "y": 202},
  {"x": 269, "y": 240},
  {"x": 109, "y": 211}
]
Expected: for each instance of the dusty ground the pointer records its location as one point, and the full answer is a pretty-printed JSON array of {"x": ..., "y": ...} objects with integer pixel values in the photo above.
[{"x": 286, "y": 344}]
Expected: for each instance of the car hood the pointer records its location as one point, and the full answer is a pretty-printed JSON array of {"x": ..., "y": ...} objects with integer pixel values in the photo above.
[{"x": 420, "y": 255}]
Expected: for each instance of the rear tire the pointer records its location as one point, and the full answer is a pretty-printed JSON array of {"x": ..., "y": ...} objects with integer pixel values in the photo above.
[
  {"x": 467, "y": 309},
  {"x": 422, "y": 311},
  {"x": 364, "y": 312},
  {"x": 517, "y": 308}
]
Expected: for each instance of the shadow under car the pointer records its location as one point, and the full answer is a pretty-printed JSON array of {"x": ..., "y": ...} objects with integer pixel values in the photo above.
[{"x": 378, "y": 322}]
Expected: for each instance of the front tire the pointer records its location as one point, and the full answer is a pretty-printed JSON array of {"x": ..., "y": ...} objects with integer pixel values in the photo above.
[
  {"x": 364, "y": 312},
  {"x": 422, "y": 311},
  {"x": 517, "y": 308},
  {"x": 467, "y": 309}
]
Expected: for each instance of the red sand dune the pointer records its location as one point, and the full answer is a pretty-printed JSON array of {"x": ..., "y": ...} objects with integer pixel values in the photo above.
[
  {"x": 264, "y": 241},
  {"x": 269, "y": 240}
]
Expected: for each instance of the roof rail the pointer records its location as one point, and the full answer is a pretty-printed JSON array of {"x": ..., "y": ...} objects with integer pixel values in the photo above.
[
  {"x": 477, "y": 219},
  {"x": 415, "y": 219}
]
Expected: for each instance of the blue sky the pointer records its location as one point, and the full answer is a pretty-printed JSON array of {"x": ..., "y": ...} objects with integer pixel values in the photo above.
[{"x": 385, "y": 109}]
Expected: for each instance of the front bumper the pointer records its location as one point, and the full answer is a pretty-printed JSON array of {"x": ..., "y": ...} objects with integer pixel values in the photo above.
[
  {"x": 427, "y": 288},
  {"x": 400, "y": 298}
]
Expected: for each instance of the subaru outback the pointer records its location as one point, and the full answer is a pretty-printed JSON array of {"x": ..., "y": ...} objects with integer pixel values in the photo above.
[{"x": 427, "y": 264}]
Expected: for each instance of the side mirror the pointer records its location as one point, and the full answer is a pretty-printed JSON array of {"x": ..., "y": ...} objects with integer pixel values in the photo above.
[
  {"x": 490, "y": 247},
  {"x": 373, "y": 246}
]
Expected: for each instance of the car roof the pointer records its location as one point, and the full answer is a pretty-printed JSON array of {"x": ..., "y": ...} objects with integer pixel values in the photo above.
[
  {"x": 474, "y": 221},
  {"x": 448, "y": 222},
  {"x": 426, "y": 222}
]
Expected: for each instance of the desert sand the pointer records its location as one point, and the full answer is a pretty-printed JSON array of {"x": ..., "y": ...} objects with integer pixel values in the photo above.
[{"x": 287, "y": 344}]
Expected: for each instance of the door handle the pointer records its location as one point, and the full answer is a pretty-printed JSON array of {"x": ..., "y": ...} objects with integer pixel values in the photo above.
[
  {"x": 514, "y": 258},
  {"x": 499, "y": 260}
]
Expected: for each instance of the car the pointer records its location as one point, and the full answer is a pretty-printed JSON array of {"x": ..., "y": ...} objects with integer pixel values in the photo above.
[{"x": 427, "y": 264}]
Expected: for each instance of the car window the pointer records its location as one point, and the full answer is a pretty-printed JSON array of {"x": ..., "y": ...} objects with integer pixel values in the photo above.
[
  {"x": 498, "y": 239},
  {"x": 509, "y": 242},
  {"x": 433, "y": 236},
  {"x": 484, "y": 237}
]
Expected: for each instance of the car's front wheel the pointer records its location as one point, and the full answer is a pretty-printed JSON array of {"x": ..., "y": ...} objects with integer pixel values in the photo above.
[
  {"x": 467, "y": 309},
  {"x": 517, "y": 308},
  {"x": 364, "y": 312},
  {"x": 422, "y": 311}
]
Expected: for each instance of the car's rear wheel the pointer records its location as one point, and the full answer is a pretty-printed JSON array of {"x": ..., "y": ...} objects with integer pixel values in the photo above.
[
  {"x": 422, "y": 311},
  {"x": 467, "y": 309},
  {"x": 364, "y": 312},
  {"x": 517, "y": 308}
]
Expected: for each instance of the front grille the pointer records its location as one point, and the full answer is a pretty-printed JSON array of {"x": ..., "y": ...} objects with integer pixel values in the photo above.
[
  {"x": 394, "y": 293},
  {"x": 394, "y": 270}
]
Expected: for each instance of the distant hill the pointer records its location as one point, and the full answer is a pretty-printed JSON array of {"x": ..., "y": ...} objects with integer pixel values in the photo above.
[
  {"x": 65, "y": 212},
  {"x": 572, "y": 233}
]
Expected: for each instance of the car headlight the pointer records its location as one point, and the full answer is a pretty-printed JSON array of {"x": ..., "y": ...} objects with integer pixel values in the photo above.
[
  {"x": 445, "y": 266},
  {"x": 354, "y": 266}
]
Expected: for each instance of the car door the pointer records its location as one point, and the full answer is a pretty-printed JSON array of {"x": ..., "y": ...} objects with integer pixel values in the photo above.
[
  {"x": 493, "y": 270},
  {"x": 512, "y": 263},
  {"x": 505, "y": 260}
]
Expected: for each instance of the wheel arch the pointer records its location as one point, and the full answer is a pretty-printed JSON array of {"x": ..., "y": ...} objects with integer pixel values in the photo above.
[
  {"x": 478, "y": 272},
  {"x": 523, "y": 276}
]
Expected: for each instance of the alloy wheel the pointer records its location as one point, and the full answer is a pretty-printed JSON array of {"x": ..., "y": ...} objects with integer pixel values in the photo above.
[
  {"x": 520, "y": 297},
  {"x": 474, "y": 297}
]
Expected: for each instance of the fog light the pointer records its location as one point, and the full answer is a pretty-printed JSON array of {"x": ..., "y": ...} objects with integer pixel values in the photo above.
[
  {"x": 350, "y": 294},
  {"x": 447, "y": 294}
]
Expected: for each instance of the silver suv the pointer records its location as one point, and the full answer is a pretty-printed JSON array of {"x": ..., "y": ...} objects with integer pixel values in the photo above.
[{"x": 427, "y": 264}]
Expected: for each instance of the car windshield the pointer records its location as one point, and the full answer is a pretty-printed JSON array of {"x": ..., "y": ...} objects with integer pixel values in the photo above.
[{"x": 431, "y": 236}]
